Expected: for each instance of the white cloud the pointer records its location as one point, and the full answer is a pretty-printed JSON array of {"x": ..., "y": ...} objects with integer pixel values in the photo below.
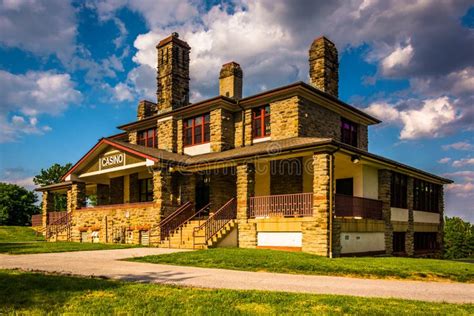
[
  {"x": 18, "y": 176},
  {"x": 467, "y": 175},
  {"x": 399, "y": 58},
  {"x": 432, "y": 119},
  {"x": 459, "y": 146},
  {"x": 41, "y": 27},
  {"x": 444, "y": 160},
  {"x": 463, "y": 162},
  {"x": 122, "y": 92},
  {"x": 465, "y": 189},
  {"x": 25, "y": 97}
]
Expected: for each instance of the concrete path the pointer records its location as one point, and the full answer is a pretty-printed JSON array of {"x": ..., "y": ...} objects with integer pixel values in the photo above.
[{"x": 105, "y": 263}]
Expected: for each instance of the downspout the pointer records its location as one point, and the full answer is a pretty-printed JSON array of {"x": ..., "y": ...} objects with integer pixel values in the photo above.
[
  {"x": 331, "y": 196},
  {"x": 243, "y": 122}
]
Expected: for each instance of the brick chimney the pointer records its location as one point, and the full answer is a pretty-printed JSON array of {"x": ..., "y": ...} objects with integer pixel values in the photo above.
[
  {"x": 145, "y": 109},
  {"x": 173, "y": 73},
  {"x": 230, "y": 80},
  {"x": 324, "y": 66}
]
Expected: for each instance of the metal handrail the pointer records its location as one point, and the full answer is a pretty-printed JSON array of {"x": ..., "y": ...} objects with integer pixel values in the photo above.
[
  {"x": 287, "y": 205},
  {"x": 59, "y": 225},
  {"x": 174, "y": 220},
  {"x": 216, "y": 221}
]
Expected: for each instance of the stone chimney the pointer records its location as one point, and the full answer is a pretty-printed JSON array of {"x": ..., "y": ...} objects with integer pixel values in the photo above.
[
  {"x": 173, "y": 73},
  {"x": 230, "y": 81},
  {"x": 145, "y": 109},
  {"x": 324, "y": 66}
]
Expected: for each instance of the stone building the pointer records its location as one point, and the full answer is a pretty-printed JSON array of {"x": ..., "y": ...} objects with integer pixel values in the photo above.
[{"x": 287, "y": 168}]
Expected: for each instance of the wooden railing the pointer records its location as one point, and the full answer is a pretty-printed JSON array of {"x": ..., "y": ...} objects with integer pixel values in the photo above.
[
  {"x": 175, "y": 219},
  {"x": 36, "y": 220},
  {"x": 353, "y": 206},
  {"x": 286, "y": 205},
  {"x": 216, "y": 221}
]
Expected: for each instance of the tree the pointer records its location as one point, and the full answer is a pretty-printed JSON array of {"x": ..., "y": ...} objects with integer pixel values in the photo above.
[
  {"x": 17, "y": 204},
  {"x": 458, "y": 238},
  {"x": 50, "y": 176}
]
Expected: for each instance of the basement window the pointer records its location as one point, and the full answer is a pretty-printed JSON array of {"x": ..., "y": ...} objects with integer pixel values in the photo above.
[
  {"x": 261, "y": 121},
  {"x": 348, "y": 132},
  {"x": 197, "y": 130},
  {"x": 148, "y": 138}
]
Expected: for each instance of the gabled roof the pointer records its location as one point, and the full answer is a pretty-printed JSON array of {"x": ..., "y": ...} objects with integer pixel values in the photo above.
[{"x": 295, "y": 88}]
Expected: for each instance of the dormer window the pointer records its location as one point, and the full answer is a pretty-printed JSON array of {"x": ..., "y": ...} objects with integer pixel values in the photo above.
[
  {"x": 197, "y": 130},
  {"x": 148, "y": 138},
  {"x": 261, "y": 121},
  {"x": 349, "y": 132}
]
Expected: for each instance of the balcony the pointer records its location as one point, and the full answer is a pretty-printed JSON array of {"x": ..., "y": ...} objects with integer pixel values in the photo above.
[
  {"x": 353, "y": 206},
  {"x": 284, "y": 205}
]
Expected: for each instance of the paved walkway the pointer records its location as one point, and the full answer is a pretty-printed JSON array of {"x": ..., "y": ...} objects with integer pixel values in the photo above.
[{"x": 104, "y": 263}]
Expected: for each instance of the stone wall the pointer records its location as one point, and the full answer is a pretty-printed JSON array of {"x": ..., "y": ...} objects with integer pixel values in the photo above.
[
  {"x": 116, "y": 190},
  {"x": 145, "y": 109},
  {"x": 324, "y": 66},
  {"x": 245, "y": 140},
  {"x": 222, "y": 130},
  {"x": 47, "y": 206},
  {"x": 286, "y": 176},
  {"x": 133, "y": 137},
  {"x": 76, "y": 196},
  {"x": 284, "y": 118},
  {"x": 409, "y": 235},
  {"x": 179, "y": 136},
  {"x": 440, "y": 234},
  {"x": 316, "y": 233},
  {"x": 245, "y": 189},
  {"x": 363, "y": 134},
  {"x": 385, "y": 181},
  {"x": 167, "y": 134},
  {"x": 230, "y": 81},
  {"x": 173, "y": 73}
]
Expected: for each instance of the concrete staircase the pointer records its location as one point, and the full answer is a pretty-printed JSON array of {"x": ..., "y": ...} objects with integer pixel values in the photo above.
[{"x": 182, "y": 237}]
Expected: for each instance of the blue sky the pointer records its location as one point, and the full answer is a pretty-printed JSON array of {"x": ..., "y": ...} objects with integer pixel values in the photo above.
[{"x": 70, "y": 72}]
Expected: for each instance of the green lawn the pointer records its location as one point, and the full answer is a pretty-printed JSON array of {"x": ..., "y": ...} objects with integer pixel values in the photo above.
[
  {"x": 18, "y": 234},
  {"x": 304, "y": 263},
  {"x": 23, "y": 240},
  {"x": 33, "y": 293}
]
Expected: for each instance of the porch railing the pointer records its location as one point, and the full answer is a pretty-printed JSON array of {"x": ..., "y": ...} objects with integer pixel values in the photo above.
[
  {"x": 216, "y": 221},
  {"x": 116, "y": 206},
  {"x": 353, "y": 206},
  {"x": 36, "y": 220},
  {"x": 286, "y": 205},
  {"x": 175, "y": 219}
]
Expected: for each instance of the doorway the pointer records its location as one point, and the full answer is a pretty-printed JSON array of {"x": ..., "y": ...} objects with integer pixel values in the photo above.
[
  {"x": 345, "y": 186},
  {"x": 202, "y": 191}
]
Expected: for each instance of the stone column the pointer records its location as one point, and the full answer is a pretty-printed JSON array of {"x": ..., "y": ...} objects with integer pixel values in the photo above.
[
  {"x": 245, "y": 189},
  {"x": 103, "y": 194},
  {"x": 162, "y": 192},
  {"x": 440, "y": 234},
  {"x": 132, "y": 137},
  {"x": 167, "y": 132},
  {"x": 47, "y": 206},
  {"x": 76, "y": 196},
  {"x": 222, "y": 130},
  {"x": 316, "y": 233},
  {"x": 409, "y": 235},
  {"x": 385, "y": 182}
]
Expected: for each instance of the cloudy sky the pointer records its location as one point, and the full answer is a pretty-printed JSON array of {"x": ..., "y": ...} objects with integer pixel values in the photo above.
[{"x": 72, "y": 71}]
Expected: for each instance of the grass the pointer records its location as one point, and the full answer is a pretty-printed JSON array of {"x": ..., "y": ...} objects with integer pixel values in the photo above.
[
  {"x": 304, "y": 263},
  {"x": 23, "y": 240},
  {"x": 34, "y": 293},
  {"x": 18, "y": 234}
]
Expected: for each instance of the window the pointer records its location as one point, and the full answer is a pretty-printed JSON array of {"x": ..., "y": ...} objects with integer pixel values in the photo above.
[
  {"x": 399, "y": 190},
  {"x": 425, "y": 241},
  {"x": 345, "y": 186},
  {"x": 261, "y": 121},
  {"x": 398, "y": 242},
  {"x": 145, "y": 190},
  {"x": 349, "y": 132},
  {"x": 197, "y": 130},
  {"x": 426, "y": 196},
  {"x": 148, "y": 138}
]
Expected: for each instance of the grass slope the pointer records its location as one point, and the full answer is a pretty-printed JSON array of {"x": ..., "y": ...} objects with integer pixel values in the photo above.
[
  {"x": 18, "y": 234},
  {"x": 23, "y": 240},
  {"x": 32, "y": 293},
  {"x": 304, "y": 263}
]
